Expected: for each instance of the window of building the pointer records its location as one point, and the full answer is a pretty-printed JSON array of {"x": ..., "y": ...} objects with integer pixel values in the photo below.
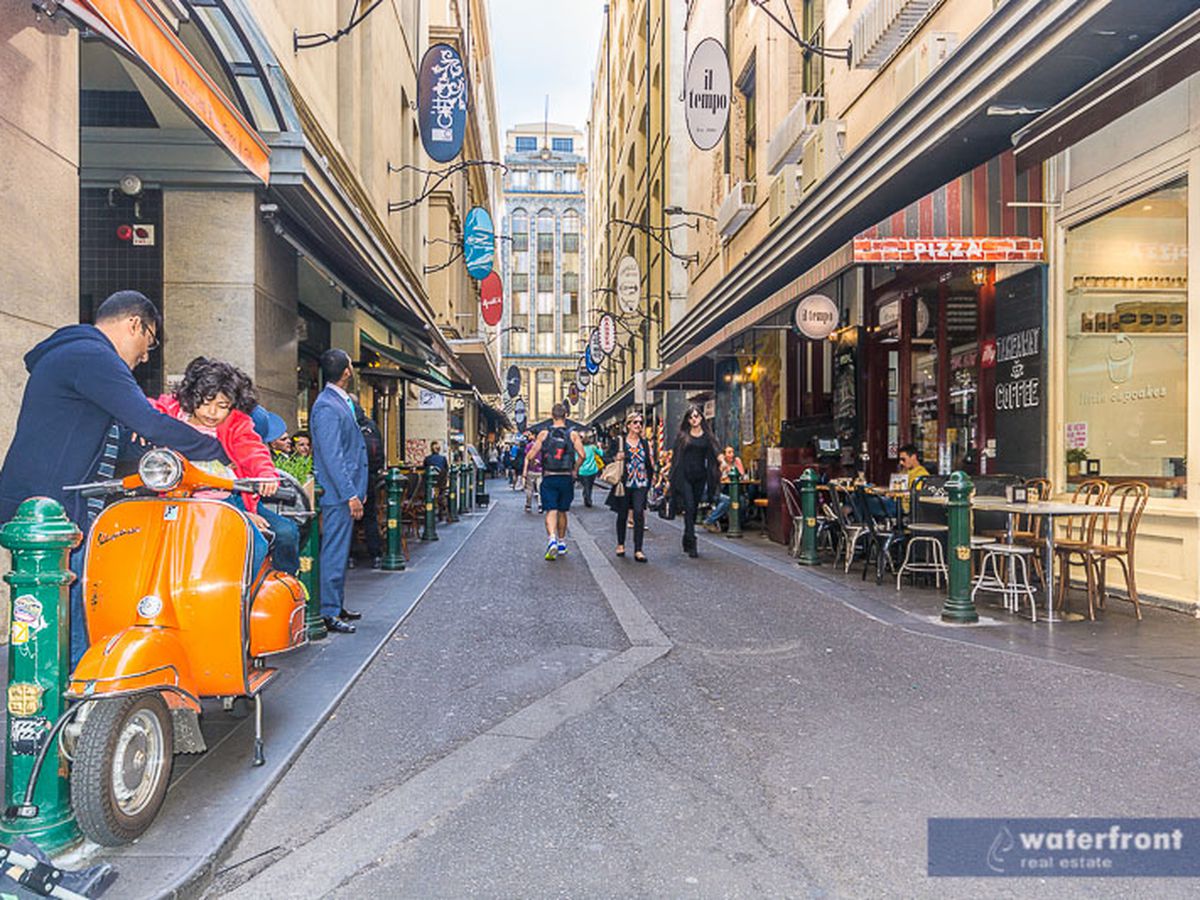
[
  {"x": 518, "y": 179},
  {"x": 545, "y": 346},
  {"x": 545, "y": 179},
  {"x": 746, "y": 85},
  {"x": 813, "y": 23},
  {"x": 1126, "y": 336},
  {"x": 570, "y": 183},
  {"x": 562, "y": 145},
  {"x": 520, "y": 236},
  {"x": 526, "y": 144},
  {"x": 544, "y": 397}
]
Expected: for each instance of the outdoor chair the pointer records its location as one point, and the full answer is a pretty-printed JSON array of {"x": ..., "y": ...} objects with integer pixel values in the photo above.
[
  {"x": 1077, "y": 535},
  {"x": 852, "y": 528},
  {"x": 1112, "y": 539},
  {"x": 921, "y": 531},
  {"x": 1004, "y": 571},
  {"x": 882, "y": 534},
  {"x": 829, "y": 530},
  {"x": 791, "y": 500}
]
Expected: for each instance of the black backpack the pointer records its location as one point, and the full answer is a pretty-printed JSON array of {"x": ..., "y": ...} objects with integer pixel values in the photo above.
[
  {"x": 558, "y": 452},
  {"x": 373, "y": 439}
]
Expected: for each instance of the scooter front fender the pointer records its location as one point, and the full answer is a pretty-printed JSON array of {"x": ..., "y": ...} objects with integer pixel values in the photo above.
[{"x": 137, "y": 659}]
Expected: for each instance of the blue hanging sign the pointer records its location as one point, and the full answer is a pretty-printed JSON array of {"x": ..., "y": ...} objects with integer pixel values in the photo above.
[
  {"x": 479, "y": 243},
  {"x": 590, "y": 362},
  {"x": 442, "y": 102}
]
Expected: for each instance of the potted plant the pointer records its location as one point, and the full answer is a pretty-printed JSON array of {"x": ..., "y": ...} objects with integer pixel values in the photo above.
[{"x": 1075, "y": 458}]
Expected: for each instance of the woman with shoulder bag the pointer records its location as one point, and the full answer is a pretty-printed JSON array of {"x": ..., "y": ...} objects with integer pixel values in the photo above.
[
  {"x": 629, "y": 493},
  {"x": 694, "y": 469},
  {"x": 593, "y": 462}
]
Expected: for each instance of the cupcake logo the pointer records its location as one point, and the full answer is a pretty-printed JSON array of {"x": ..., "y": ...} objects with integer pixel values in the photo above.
[{"x": 1120, "y": 359}]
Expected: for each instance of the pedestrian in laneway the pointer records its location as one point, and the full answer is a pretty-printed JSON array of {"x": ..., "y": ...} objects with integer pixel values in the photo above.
[
  {"x": 593, "y": 462},
  {"x": 531, "y": 475},
  {"x": 695, "y": 471},
  {"x": 561, "y": 453},
  {"x": 340, "y": 458},
  {"x": 637, "y": 473},
  {"x": 729, "y": 461}
]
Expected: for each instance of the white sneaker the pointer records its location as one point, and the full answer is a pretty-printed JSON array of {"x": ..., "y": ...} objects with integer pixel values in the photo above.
[{"x": 562, "y": 548}]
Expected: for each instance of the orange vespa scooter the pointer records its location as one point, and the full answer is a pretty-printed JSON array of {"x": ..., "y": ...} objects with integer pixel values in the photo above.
[{"x": 174, "y": 615}]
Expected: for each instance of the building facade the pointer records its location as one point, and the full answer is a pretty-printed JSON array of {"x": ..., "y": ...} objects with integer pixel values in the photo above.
[{"x": 545, "y": 265}]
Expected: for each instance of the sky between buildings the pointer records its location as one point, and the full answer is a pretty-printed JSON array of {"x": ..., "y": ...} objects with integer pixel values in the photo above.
[{"x": 545, "y": 47}]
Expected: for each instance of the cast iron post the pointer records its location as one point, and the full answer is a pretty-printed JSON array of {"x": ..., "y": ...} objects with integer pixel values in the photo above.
[
  {"x": 959, "y": 607},
  {"x": 735, "y": 504},
  {"x": 808, "y": 510},
  {"x": 431, "y": 475},
  {"x": 310, "y": 572},
  {"x": 393, "y": 560}
]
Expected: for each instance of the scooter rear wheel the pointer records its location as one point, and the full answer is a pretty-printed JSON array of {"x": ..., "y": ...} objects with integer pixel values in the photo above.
[{"x": 122, "y": 767}]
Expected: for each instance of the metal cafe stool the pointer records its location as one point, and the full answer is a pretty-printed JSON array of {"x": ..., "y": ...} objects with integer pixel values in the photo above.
[
  {"x": 1014, "y": 583},
  {"x": 929, "y": 535}
]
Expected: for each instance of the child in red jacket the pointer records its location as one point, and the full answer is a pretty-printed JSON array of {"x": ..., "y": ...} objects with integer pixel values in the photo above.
[{"x": 216, "y": 398}]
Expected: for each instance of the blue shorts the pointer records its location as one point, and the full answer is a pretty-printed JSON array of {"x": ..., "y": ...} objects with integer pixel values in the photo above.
[{"x": 557, "y": 492}]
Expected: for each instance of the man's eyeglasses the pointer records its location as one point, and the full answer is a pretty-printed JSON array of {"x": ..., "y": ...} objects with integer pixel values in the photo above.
[{"x": 153, "y": 345}]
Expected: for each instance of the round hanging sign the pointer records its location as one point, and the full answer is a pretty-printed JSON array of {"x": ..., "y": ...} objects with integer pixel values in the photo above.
[
  {"x": 608, "y": 333},
  {"x": 589, "y": 361},
  {"x": 593, "y": 345},
  {"x": 629, "y": 284},
  {"x": 581, "y": 385},
  {"x": 573, "y": 393},
  {"x": 584, "y": 379},
  {"x": 491, "y": 299},
  {"x": 479, "y": 243},
  {"x": 816, "y": 317},
  {"x": 442, "y": 102},
  {"x": 707, "y": 89},
  {"x": 512, "y": 382}
]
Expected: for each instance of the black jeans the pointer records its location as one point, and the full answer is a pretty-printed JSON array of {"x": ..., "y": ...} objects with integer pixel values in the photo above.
[
  {"x": 692, "y": 493},
  {"x": 370, "y": 520},
  {"x": 588, "y": 481},
  {"x": 636, "y": 500}
]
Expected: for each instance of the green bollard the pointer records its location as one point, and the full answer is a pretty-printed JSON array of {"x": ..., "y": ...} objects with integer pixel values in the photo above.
[
  {"x": 735, "y": 504},
  {"x": 452, "y": 497},
  {"x": 393, "y": 560},
  {"x": 430, "y": 532},
  {"x": 808, "y": 509},
  {"x": 310, "y": 573},
  {"x": 958, "y": 607},
  {"x": 464, "y": 500},
  {"x": 40, "y": 537},
  {"x": 468, "y": 488},
  {"x": 480, "y": 488}
]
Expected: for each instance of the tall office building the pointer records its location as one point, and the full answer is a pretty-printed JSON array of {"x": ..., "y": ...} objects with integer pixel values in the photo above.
[{"x": 543, "y": 261}]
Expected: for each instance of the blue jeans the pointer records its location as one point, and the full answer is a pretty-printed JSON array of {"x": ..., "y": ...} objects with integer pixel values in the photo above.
[
  {"x": 722, "y": 507},
  {"x": 286, "y": 552}
]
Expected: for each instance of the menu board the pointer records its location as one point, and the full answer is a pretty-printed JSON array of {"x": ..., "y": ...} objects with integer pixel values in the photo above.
[{"x": 1020, "y": 365}]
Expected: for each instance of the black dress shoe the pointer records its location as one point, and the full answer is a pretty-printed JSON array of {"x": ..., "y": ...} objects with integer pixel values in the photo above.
[
  {"x": 349, "y": 615},
  {"x": 332, "y": 624}
]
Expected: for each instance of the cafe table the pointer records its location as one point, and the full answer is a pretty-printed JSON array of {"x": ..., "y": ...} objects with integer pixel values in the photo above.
[{"x": 1049, "y": 509}]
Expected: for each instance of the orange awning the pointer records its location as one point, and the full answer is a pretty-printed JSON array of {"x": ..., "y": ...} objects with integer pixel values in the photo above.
[{"x": 133, "y": 27}]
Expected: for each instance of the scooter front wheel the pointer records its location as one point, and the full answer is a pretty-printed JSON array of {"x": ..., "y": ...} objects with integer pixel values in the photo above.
[{"x": 122, "y": 767}]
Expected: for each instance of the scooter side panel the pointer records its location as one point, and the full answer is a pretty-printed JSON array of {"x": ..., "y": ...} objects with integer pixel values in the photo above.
[
  {"x": 192, "y": 555},
  {"x": 139, "y": 658}
]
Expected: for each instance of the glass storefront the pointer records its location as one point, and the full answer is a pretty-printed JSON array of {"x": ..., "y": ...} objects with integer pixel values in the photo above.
[{"x": 1126, "y": 398}]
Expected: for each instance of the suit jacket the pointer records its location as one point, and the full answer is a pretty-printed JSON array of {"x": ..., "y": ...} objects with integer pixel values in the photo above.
[{"x": 339, "y": 451}]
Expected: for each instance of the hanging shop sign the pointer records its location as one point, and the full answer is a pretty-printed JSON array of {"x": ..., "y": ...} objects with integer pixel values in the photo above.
[
  {"x": 629, "y": 284},
  {"x": 607, "y": 330},
  {"x": 573, "y": 393},
  {"x": 512, "y": 381},
  {"x": 519, "y": 414},
  {"x": 442, "y": 102},
  {"x": 491, "y": 299},
  {"x": 593, "y": 346},
  {"x": 589, "y": 361},
  {"x": 707, "y": 89},
  {"x": 479, "y": 243},
  {"x": 816, "y": 317}
]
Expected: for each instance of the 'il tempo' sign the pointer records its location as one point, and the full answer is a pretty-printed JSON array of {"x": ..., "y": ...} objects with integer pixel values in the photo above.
[
  {"x": 816, "y": 317},
  {"x": 707, "y": 89}
]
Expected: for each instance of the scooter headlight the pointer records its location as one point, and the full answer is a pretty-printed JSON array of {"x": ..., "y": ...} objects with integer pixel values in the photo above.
[{"x": 160, "y": 470}]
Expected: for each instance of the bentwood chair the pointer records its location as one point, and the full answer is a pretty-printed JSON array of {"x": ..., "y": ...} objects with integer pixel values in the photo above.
[
  {"x": 791, "y": 501},
  {"x": 1071, "y": 546},
  {"x": 853, "y": 529},
  {"x": 1113, "y": 537}
]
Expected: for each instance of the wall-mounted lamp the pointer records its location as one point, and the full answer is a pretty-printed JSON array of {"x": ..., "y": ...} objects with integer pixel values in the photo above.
[{"x": 979, "y": 276}]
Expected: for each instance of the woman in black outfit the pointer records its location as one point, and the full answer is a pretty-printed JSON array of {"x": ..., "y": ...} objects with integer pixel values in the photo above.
[
  {"x": 637, "y": 474},
  {"x": 695, "y": 468}
]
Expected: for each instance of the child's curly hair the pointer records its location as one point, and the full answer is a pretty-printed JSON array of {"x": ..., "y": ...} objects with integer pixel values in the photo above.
[{"x": 204, "y": 378}]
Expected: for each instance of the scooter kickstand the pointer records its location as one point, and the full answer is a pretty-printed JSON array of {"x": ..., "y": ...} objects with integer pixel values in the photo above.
[{"x": 259, "y": 759}]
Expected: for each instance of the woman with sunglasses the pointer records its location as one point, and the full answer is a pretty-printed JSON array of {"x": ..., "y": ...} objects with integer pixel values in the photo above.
[
  {"x": 637, "y": 474},
  {"x": 694, "y": 472}
]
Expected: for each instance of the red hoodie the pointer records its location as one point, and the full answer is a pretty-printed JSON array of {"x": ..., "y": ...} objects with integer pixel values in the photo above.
[{"x": 250, "y": 456}]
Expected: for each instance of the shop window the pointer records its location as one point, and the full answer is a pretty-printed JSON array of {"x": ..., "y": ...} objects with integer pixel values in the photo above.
[{"x": 1126, "y": 385}]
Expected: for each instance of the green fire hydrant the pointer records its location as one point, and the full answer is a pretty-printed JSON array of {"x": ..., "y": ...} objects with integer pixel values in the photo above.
[
  {"x": 808, "y": 511},
  {"x": 310, "y": 572},
  {"x": 431, "y": 476},
  {"x": 735, "y": 504},
  {"x": 452, "y": 497},
  {"x": 958, "y": 607},
  {"x": 40, "y": 538},
  {"x": 393, "y": 560}
]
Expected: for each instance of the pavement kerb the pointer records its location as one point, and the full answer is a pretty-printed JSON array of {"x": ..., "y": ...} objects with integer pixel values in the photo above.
[{"x": 193, "y": 881}]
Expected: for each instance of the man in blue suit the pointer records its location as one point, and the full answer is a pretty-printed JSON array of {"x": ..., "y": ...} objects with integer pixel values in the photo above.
[{"x": 340, "y": 463}]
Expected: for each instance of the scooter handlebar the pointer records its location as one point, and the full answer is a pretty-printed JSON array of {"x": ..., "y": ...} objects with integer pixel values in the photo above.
[
  {"x": 284, "y": 493},
  {"x": 97, "y": 488}
]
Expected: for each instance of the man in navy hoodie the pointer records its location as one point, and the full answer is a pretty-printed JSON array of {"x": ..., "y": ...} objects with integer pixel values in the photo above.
[{"x": 80, "y": 385}]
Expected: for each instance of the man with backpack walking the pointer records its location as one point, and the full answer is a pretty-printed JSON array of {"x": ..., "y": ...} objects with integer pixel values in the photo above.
[{"x": 561, "y": 452}]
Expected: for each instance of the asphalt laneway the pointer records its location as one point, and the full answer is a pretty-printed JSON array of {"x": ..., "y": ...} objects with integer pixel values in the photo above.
[{"x": 515, "y": 740}]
